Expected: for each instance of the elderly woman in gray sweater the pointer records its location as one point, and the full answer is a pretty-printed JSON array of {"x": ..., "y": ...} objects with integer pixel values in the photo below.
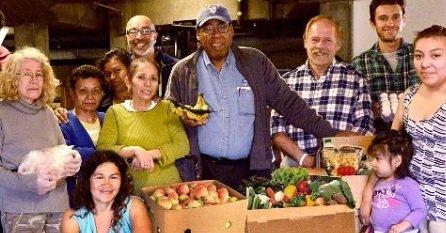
[{"x": 34, "y": 202}]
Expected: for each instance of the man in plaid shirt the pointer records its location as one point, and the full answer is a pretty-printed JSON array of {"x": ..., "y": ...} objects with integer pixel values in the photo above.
[
  {"x": 388, "y": 65},
  {"x": 334, "y": 89}
]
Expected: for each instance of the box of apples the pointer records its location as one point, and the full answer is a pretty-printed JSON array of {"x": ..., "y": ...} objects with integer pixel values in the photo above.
[{"x": 199, "y": 206}]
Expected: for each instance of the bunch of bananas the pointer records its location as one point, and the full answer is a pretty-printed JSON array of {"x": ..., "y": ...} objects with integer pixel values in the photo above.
[{"x": 199, "y": 112}]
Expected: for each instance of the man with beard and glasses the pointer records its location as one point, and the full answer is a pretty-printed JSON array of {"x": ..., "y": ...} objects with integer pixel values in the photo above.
[
  {"x": 388, "y": 65},
  {"x": 238, "y": 84},
  {"x": 141, "y": 38},
  {"x": 334, "y": 89}
]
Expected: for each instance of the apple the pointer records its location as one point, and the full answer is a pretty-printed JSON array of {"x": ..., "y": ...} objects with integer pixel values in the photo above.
[
  {"x": 210, "y": 200},
  {"x": 165, "y": 203},
  {"x": 171, "y": 192},
  {"x": 161, "y": 198},
  {"x": 183, "y": 189},
  {"x": 201, "y": 191},
  {"x": 159, "y": 192},
  {"x": 183, "y": 197},
  {"x": 185, "y": 203},
  {"x": 177, "y": 207},
  {"x": 195, "y": 203},
  {"x": 223, "y": 192},
  {"x": 233, "y": 199},
  {"x": 174, "y": 201},
  {"x": 212, "y": 187},
  {"x": 213, "y": 193}
]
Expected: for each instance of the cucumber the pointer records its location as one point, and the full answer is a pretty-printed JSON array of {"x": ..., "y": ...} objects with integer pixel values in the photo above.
[{"x": 256, "y": 203}]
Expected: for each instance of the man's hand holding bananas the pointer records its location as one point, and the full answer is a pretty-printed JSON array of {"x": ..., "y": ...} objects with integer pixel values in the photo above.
[{"x": 188, "y": 113}]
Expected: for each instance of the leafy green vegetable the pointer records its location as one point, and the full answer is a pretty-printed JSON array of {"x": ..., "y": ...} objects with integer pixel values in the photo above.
[
  {"x": 314, "y": 187},
  {"x": 337, "y": 187},
  {"x": 287, "y": 176},
  {"x": 327, "y": 190},
  {"x": 347, "y": 192}
]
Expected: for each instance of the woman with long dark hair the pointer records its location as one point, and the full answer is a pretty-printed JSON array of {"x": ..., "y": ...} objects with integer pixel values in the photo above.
[{"x": 102, "y": 200}]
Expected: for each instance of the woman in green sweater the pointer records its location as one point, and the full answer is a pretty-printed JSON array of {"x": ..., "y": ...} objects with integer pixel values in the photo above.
[{"x": 145, "y": 130}]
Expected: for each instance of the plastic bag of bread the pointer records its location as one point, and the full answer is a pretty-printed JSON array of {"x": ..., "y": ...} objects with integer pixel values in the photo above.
[
  {"x": 49, "y": 159},
  {"x": 342, "y": 161}
]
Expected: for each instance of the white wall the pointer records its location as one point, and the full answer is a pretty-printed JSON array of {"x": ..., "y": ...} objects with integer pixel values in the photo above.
[{"x": 420, "y": 14}]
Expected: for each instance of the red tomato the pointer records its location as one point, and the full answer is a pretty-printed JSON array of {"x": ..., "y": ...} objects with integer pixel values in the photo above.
[
  {"x": 350, "y": 171},
  {"x": 346, "y": 171},
  {"x": 341, "y": 171},
  {"x": 304, "y": 187}
]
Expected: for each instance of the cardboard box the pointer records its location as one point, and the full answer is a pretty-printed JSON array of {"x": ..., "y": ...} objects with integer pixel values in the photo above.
[
  {"x": 316, "y": 172},
  {"x": 220, "y": 218},
  {"x": 357, "y": 182},
  {"x": 361, "y": 141},
  {"x": 307, "y": 219}
]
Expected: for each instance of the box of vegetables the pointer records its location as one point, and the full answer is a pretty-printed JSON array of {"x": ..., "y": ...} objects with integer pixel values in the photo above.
[
  {"x": 346, "y": 157},
  {"x": 295, "y": 201}
]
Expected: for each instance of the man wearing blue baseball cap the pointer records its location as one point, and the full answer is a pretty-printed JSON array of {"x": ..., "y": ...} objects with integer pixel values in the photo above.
[{"x": 239, "y": 84}]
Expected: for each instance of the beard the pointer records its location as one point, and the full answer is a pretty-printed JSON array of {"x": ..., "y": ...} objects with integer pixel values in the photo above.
[
  {"x": 140, "y": 52},
  {"x": 382, "y": 35}
]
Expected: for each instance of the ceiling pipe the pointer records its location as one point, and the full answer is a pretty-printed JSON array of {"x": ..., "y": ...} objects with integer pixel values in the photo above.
[{"x": 112, "y": 9}]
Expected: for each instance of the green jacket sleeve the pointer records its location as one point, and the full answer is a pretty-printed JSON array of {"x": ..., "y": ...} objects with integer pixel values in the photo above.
[
  {"x": 178, "y": 145},
  {"x": 108, "y": 137}
]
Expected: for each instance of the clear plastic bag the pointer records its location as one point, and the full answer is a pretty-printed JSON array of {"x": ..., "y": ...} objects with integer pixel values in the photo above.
[{"x": 47, "y": 160}]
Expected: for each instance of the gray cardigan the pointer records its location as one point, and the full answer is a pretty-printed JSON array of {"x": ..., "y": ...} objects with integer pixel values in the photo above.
[
  {"x": 25, "y": 127},
  {"x": 269, "y": 91}
]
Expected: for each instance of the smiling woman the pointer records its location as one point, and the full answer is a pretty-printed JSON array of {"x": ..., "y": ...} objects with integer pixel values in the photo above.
[
  {"x": 102, "y": 202},
  {"x": 421, "y": 112},
  {"x": 33, "y": 202},
  {"x": 84, "y": 122},
  {"x": 145, "y": 129}
]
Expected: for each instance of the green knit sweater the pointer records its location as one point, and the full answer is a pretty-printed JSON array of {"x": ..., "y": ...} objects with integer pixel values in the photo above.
[{"x": 155, "y": 128}]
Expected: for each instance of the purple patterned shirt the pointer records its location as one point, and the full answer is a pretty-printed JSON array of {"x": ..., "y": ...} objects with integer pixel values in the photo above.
[{"x": 395, "y": 201}]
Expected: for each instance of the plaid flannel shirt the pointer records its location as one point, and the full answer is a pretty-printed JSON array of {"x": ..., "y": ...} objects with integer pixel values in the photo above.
[
  {"x": 340, "y": 96},
  {"x": 379, "y": 75}
]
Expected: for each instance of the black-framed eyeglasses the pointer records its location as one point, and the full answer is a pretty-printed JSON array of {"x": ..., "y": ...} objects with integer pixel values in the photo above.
[
  {"x": 133, "y": 32},
  {"x": 221, "y": 28}
]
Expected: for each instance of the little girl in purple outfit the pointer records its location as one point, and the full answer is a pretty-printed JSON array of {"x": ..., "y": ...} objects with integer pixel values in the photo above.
[{"x": 397, "y": 202}]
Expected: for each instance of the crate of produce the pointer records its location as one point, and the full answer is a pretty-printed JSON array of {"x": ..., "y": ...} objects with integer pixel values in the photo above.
[
  {"x": 292, "y": 201},
  {"x": 206, "y": 206}
]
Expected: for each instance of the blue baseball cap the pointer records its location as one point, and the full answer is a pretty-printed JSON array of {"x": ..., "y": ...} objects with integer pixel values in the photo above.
[{"x": 213, "y": 12}]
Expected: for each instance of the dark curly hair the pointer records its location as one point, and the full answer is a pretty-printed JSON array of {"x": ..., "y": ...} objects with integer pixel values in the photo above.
[
  {"x": 82, "y": 194},
  {"x": 84, "y": 72},
  {"x": 394, "y": 143},
  {"x": 376, "y": 3}
]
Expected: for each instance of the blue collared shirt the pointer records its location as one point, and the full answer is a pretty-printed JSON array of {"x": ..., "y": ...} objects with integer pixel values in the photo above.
[{"x": 229, "y": 130}]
